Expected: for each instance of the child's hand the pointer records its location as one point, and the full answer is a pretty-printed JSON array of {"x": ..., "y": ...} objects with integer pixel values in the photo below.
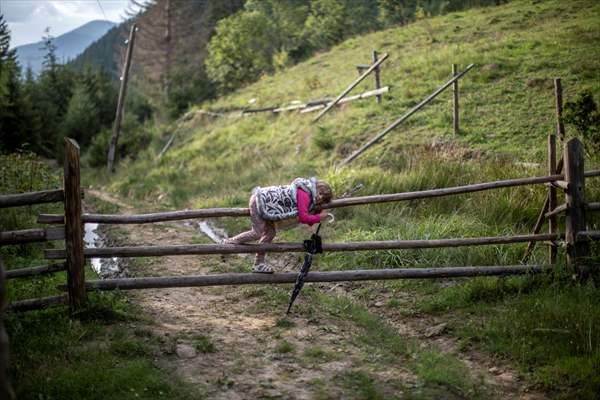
[{"x": 323, "y": 215}]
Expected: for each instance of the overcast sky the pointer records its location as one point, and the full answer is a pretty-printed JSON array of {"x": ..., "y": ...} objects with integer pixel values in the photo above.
[{"x": 27, "y": 19}]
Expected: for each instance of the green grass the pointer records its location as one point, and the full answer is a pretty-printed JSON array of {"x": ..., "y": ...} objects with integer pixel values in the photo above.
[
  {"x": 93, "y": 354},
  {"x": 285, "y": 347}
]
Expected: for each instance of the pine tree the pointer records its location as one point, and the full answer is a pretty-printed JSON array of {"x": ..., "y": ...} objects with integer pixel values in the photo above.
[{"x": 11, "y": 122}]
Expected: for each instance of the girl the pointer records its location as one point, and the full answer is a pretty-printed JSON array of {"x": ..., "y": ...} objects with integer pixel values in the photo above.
[{"x": 278, "y": 206}]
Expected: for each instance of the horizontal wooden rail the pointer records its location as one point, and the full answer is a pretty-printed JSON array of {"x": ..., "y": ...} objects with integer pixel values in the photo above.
[
  {"x": 556, "y": 211},
  {"x": 153, "y": 251},
  {"x": 32, "y": 235},
  {"x": 313, "y": 276},
  {"x": 35, "y": 304},
  {"x": 34, "y": 271},
  {"x": 593, "y": 206},
  {"x": 351, "y": 201},
  {"x": 588, "y": 235},
  {"x": 30, "y": 198}
]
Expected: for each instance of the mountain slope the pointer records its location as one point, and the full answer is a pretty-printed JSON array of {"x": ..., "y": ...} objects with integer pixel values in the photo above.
[{"x": 68, "y": 45}]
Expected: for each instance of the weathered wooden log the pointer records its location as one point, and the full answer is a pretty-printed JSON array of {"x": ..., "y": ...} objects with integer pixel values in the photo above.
[
  {"x": 32, "y": 235},
  {"x": 376, "y": 76},
  {"x": 364, "y": 95},
  {"x": 30, "y": 198},
  {"x": 557, "y": 210},
  {"x": 476, "y": 187},
  {"x": 153, "y": 251},
  {"x": 575, "y": 200},
  {"x": 588, "y": 235},
  {"x": 36, "y": 304},
  {"x": 313, "y": 276},
  {"x": 352, "y": 86},
  {"x": 258, "y": 110},
  {"x": 394, "y": 124},
  {"x": 593, "y": 206},
  {"x": 34, "y": 271},
  {"x": 350, "y": 201},
  {"x": 455, "y": 106},
  {"x": 74, "y": 226},
  {"x": 6, "y": 391},
  {"x": 552, "y": 225}
]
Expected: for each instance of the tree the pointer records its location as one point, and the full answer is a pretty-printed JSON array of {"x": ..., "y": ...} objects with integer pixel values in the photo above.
[
  {"x": 11, "y": 107},
  {"x": 241, "y": 49},
  {"x": 82, "y": 120}
]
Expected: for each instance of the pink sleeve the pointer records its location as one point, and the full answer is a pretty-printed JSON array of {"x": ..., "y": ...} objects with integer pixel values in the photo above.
[{"x": 303, "y": 200}]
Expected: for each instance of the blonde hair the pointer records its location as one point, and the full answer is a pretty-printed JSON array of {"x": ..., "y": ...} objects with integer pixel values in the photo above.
[{"x": 325, "y": 192}]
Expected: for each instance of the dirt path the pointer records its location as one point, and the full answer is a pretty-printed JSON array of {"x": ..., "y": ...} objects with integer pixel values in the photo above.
[{"x": 234, "y": 342}]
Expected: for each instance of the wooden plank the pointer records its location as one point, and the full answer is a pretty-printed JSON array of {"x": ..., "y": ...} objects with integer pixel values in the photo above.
[
  {"x": 593, "y": 206},
  {"x": 455, "y": 101},
  {"x": 377, "y": 77},
  {"x": 112, "y": 150},
  {"x": 313, "y": 276},
  {"x": 352, "y": 86},
  {"x": 30, "y": 198},
  {"x": 35, "y": 271},
  {"x": 575, "y": 200},
  {"x": 394, "y": 124},
  {"x": 74, "y": 226},
  {"x": 171, "y": 250},
  {"x": 36, "y": 304}
]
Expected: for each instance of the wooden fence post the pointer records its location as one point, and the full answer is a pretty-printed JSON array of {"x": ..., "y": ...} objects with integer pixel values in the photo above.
[
  {"x": 552, "y": 196},
  {"x": 73, "y": 226},
  {"x": 5, "y": 387},
  {"x": 377, "y": 79},
  {"x": 560, "y": 126},
  {"x": 455, "y": 100},
  {"x": 575, "y": 221}
]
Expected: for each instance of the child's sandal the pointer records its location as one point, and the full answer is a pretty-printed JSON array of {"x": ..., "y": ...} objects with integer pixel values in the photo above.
[{"x": 262, "y": 269}]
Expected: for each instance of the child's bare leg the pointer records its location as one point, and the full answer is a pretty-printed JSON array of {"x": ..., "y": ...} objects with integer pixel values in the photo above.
[
  {"x": 258, "y": 226},
  {"x": 267, "y": 237}
]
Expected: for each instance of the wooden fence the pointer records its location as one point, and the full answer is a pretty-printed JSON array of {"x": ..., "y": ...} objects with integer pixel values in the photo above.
[
  {"x": 70, "y": 228},
  {"x": 71, "y": 231}
]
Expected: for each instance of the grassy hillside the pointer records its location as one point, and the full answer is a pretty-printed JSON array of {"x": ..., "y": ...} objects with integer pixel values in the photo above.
[
  {"x": 507, "y": 111},
  {"x": 506, "y": 105}
]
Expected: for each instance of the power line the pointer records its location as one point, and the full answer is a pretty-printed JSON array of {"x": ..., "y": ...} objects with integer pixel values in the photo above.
[{"x": 102, "y": 9}]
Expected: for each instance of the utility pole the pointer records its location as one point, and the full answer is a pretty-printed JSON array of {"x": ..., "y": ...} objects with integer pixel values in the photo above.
[{"x": 122, "y": 92}]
